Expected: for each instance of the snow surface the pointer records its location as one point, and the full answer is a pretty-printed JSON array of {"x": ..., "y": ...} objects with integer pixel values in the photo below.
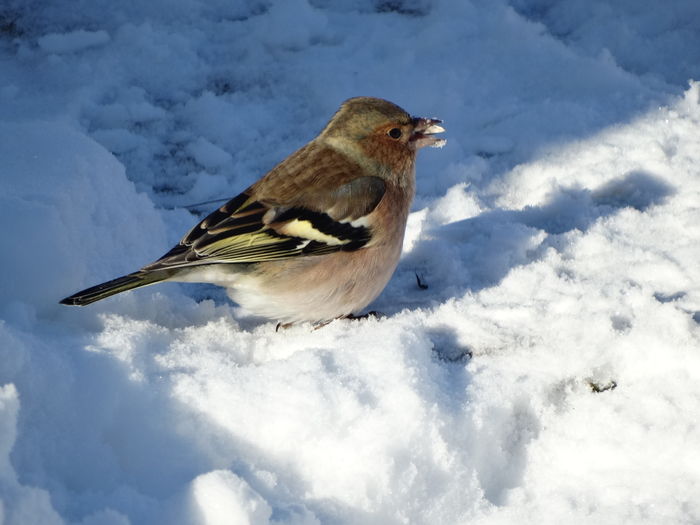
[
  {"x": 558, "y": 233},
  {"x": 71, "y": 42}
]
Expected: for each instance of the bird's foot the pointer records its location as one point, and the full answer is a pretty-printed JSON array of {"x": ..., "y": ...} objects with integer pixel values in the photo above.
[
  {"x": 321, "y": 324},
  {"x": 283, "y": 326},
  {"x": 350, "y": 317},
  {"x": 373, "y": 313}
]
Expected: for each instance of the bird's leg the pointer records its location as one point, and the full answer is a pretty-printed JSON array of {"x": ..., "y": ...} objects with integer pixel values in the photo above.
[
  {"x": 283, "y": 326},
  {"x": 373, "y": 313},
  {"x": 350, "y": 317},
  {"x": 321, "y": 324}
]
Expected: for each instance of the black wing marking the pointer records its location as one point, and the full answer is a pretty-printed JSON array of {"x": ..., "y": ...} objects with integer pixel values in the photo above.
[{"x": 245, "y": 230}]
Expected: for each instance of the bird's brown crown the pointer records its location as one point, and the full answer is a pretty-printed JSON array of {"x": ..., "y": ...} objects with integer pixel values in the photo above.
[{"x": 359, "y": 117}]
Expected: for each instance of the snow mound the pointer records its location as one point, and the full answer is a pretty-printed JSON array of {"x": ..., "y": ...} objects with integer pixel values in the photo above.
[
  {"x": 73, "y": 41},
  {"x": 69, "y": 203},
  {"x": 538, "y": 357}
]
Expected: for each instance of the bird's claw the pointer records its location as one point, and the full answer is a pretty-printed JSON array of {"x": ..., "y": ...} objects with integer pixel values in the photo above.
[
  {"x": 373, "y": 313},
  {"x": 283, "y": 326}
]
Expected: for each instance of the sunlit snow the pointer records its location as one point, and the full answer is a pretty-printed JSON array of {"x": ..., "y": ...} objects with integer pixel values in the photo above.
[{"x": 549, "y": 372}]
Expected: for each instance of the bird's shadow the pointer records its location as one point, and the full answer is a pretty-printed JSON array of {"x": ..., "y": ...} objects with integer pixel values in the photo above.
[{"x": 477, "y": 253}]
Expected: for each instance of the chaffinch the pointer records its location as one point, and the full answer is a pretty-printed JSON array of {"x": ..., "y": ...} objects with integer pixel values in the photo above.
[{"x": 316, "y": 238}]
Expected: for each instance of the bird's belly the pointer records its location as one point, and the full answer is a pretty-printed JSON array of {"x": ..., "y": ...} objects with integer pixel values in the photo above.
[{"x": 316, "y": 288}]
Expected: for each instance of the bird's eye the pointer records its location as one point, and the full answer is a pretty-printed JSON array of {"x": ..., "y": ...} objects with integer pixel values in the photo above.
[{"x": 395, "y": 133}]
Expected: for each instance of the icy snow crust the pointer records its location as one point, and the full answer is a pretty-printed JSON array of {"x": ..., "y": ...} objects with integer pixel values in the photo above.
[{"x": 558, "y": 232}]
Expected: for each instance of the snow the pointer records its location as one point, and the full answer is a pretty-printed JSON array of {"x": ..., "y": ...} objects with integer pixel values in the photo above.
[
  {"x": 207, "y": 154},
  {"x": 73, "y": 41},
  {"x": 549, "y": 373},
  {"x": 222, "y": 497}
]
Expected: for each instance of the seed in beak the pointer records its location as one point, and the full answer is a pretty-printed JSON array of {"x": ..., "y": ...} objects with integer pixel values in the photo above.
[{"x": 423, "y": 131}]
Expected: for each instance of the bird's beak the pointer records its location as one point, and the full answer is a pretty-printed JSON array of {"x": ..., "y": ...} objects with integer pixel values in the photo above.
[{"x": 423, "y": 131}]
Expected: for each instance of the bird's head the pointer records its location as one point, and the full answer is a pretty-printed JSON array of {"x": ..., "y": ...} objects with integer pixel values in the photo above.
[{"x": 382, "y": 131}]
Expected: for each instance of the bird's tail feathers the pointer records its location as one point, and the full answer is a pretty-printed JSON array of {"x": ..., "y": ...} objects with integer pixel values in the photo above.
[{"x": 115, "y": 286}]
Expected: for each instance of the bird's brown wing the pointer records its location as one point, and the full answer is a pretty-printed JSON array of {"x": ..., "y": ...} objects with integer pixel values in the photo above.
[{"x": 279, "y": 217}]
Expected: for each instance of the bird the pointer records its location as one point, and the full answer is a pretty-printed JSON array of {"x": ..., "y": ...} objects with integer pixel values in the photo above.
[{"x": 319, "y": 236}]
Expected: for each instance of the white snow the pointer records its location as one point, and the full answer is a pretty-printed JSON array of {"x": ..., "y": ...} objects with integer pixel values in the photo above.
[
  {"x": 207, "y": 154},
  {"x": 73, "y": 41},
  {"x": 558, "y": 232}
]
